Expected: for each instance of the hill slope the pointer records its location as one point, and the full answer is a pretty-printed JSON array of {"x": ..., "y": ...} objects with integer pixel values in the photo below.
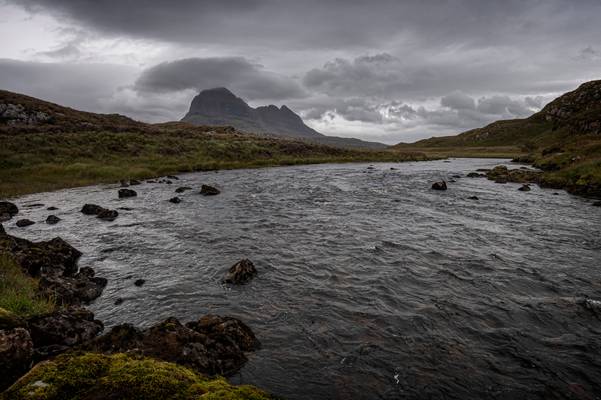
[
  {"x": 563, "y": 139},
  {"x": 46, "y": 147},
  {"x": 219, "y": 106}
]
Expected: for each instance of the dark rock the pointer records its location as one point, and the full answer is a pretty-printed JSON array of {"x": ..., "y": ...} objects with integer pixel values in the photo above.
[
  {"x": 91, "y": 209},
  {"x": 151, "y": 181},
  {"x": 597, "y": 204},
  {"x": 473, "y": 198},
  {"x": 501, "y": 174},
  {"x": 58, "y": 331},
  {"x": 16, "y": 355},
  {"x": 124, "y": 193},
  {"x": 524, "y": 188},
  {"x": 442, "y": 185},
  {"x": 182, "y": 189},
  {"x": 371, "y": 168},
  {"x": 475, "y": 175},
  {"x": 557, "y": 194},
  {"x": 393, "y": 169},
  {"x": 7, "y": 210},
  {"x": 175, "y": 200},
  {"x": 207, "y": 190},
  {"x": 139, "y": 282},
  {"x": 33, "y": 205},
  {"x": 80, "y": 288},
  {"x": 108, "y": 215},
  {"x": 24, "y": 222},
  {"x": 211, "y": 345},
  {"x": 52, "y": 208},
  {"x": 52, "y": 219},
  {"x": 119, "y": 301},
  {"x": 134, "y": 182},
  {"x": 457, "y": 176},
  {"x": 452, "y": 180},
  {"x": 2, "y": 231},
  {"x": 175, "y": 178},
  {"x": 240, "y": 273}
]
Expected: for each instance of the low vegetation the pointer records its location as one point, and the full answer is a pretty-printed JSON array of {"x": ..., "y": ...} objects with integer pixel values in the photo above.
[
  {"x": 91, "y": 376},
  {"x": 19, "y": 292}
]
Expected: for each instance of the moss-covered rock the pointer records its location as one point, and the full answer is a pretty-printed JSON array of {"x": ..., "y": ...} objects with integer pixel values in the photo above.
[{"x": 91, "y": 376}]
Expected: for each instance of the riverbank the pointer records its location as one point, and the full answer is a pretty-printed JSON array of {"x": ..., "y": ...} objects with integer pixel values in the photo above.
[{"x": 32, "y": 162}]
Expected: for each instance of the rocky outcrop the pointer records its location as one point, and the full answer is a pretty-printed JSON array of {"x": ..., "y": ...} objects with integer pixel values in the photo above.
[
  {"x": 240, "y": 273},
  {"x": 17, "y": 114},
  {"x": 442, "y": 185},
  {"x": 502, "y": 174},
  {"x": 125, "y": 193},
  {"x": 16, "y": 355},
  {"x": 212, "y": 345},
  {"x": 56, "y": 332},
  {"x": 207, "y": 190},
  {"x": 7, "y": 210}
]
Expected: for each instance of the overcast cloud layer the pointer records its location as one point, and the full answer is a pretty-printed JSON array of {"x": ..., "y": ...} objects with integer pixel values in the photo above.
[{"x": 380, "y": 70}]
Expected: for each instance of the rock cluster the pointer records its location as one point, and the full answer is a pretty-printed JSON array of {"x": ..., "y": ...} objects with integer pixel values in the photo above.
[
  {"x": 16, "y": 114},
  {"x": 100, "y": 212},
  {"x": 501, "y": 174}
]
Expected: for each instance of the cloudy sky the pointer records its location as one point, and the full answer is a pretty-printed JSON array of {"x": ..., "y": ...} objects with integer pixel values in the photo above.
[{"x": 380, "y": 70}]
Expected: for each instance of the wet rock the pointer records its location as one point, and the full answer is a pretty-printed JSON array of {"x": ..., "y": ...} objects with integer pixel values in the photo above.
[
  {"x": 91, "y": 209},
  {"x": 501, "y": 179},
  {"x": 7, "y": 210},
  {"x": 475, "y": 175},
  {"x": 175, "y": 200},
  {"x": 125, "y": 193},
  {"x": 2, "y": 231},
  {"x": 139, "y": 282},
  {"x": 442, "y": 185},
  {"x": 597, "y": 204},
  {"x": 119, "y": 301},
  {"x": 501, "y": 174},
  {"x": 80, "y": 288},
  {"x": 134, "y": 182},
  {"x": 393, "y": 169},
  {"x": 473, "y": 198},
  {"x": 208, "y": 190},
  {"x": 52, "y": 219},
  {"x": 16, "y": 354},
  {"x": 22, "y": 223},
  {"x": 58, "y": 331},
  {"x": 52, "y": 208},
  {"x": 182, "y": 189},
  {"x": 524, "y": 188},
  {"x": 240, "y": 273},
  {"x": 33, "y": 205},
  {"x": 211, "y": 345},
  {"x": 108, "y": 215},
  {"x": 557, "y": 194}
]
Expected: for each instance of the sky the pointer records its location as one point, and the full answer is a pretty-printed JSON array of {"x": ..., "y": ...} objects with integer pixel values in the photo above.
[{"x": 383, "y": 70}]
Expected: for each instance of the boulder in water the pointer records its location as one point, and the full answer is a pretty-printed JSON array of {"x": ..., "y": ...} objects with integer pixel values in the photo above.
[
  {"x": 108, "y": 215},
  {"x": 182, "y": 189},
  {"x": 124, "y": 193},
  {"x": 524, "y": 188},
  {"x": 7, "y": 210},
  {"x": 139, "y": 282},
  {"x": 442, "y": 185},
  {"x": 175, "y": 200},
  {"x": 24, "y": 222},
  {"x": 475, "y": 175},
  {"x": 91, "y": 209},
  {"x": 52, "y": 208},
  {"x": 473, "y": 198},
  {"x": 208, "y": 190},
  {"x": 240, "y": 273},
  {"x": 52, "y": 219}
]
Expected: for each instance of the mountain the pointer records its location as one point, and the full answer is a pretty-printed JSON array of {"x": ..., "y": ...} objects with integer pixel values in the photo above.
[
  {"x": 219, "y": 106},
  {"x": 563, "y": 139}
]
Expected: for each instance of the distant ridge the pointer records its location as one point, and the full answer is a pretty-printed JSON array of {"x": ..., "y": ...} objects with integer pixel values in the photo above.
[{"x": 219, "y": 106}]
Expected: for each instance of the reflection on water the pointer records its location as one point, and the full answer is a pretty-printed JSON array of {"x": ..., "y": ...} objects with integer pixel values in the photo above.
[{"x": 370, "y": 284}]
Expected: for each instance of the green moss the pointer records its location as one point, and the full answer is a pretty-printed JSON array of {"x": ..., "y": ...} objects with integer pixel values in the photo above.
[
  {"x": 19, "y": 292},
  {"x": 120, "y": 376}
]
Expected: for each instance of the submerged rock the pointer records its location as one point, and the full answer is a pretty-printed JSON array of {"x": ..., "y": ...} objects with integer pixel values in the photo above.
[
  {"x": 134, "y": 182},
  {"x": 240, "y": 273},
  {"x": 175, "y": 200},
  {"x": 442, "y": 185},
  {"x": 139, "y": 282},
  {"x": 475, "y": 175},
  {"x": 524, "y": 188},
  {"x": 52, "y": 208},
  {"x": 175, "y": 178},
  {"x": 91, "y": 209},
  {"x": 108, "y": 215},
  {"x": 597, "y": 204},
  {"x": 208, "y": 190},
  {"x": 7, "y": 210},
  {"x": 124, "y": 193},
  {"x": 22, "y": 223},
  {"x": 182, "y": 189},
  {"x": 52, "y": 219},
  {"x": 473, "y": 198}
]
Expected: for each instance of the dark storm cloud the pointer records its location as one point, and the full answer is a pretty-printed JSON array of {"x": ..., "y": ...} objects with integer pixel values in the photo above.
[{"x": 251, "y": 81}]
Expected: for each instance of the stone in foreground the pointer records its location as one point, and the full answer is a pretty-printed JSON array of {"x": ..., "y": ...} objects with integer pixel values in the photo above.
[{"x": 240, "y": 273}]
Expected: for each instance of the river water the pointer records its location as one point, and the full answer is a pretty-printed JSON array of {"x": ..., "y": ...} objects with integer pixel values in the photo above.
[{"x": 370, "y": 286}]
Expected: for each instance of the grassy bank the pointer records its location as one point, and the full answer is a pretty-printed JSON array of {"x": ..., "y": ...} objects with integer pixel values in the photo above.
[
  {"x": 468, "y": 152},
  {"x": 19, "y": 292},
  {"x": 35, "y": 162}
]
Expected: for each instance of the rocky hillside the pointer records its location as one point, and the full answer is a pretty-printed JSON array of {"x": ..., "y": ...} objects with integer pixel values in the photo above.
[
  {"x": 574, "y": 113},
  {"x": 219, "y": 106},
  {"x": 23, "y": 113}
]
